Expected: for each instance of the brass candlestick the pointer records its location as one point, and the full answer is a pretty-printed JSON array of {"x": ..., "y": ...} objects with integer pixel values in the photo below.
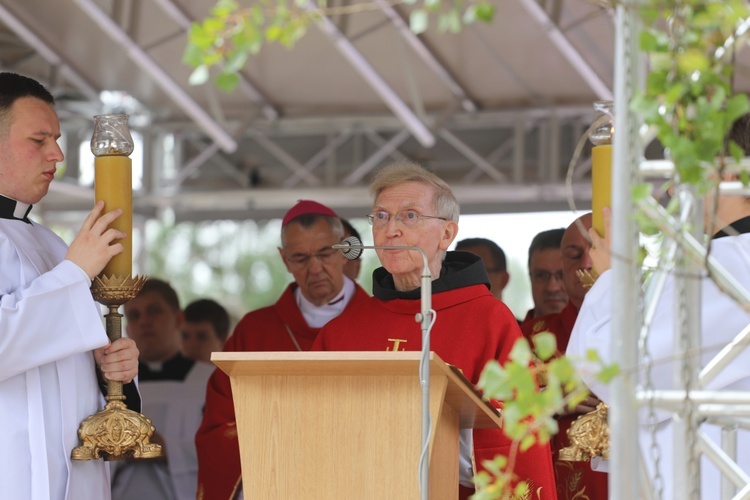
[
  {"x": 589, "y": 436},
  {"x": 115, "y": 432}
]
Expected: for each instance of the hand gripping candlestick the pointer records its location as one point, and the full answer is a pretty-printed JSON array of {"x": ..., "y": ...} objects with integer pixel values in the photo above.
[{"x": 115, "y": 432}]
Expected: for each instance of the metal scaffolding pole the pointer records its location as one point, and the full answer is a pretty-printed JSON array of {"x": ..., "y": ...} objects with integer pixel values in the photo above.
[{"x": 623, "y": 416}]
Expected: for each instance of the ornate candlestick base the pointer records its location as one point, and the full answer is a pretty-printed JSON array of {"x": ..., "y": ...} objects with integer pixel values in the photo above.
[
  {"x": 116, "y": 432},
  {"x": 589, "y": 437}
]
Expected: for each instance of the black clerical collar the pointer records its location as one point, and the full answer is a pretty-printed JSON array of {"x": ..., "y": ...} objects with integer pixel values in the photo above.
[
  {"x": 741, "y": 226},
  {"x": 12, "y": 209}
]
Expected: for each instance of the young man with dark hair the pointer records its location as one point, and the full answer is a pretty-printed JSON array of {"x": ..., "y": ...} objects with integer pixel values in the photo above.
[
  {"x": 205, "y": 329},
  {"x": 54, "y": 350}
]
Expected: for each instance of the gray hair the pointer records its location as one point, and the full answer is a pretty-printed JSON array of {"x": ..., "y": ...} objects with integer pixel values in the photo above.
[
  {"x": 308, "y": 220},
  {"x": 445, "y": 203}
]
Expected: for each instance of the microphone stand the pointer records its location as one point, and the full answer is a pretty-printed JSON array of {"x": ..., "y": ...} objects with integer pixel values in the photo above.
[{"x": 424, "y": 317}]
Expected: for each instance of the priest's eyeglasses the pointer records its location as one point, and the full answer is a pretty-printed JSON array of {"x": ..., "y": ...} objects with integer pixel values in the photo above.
[
  {"x": 300, "y": 260},
  {"x": 405, "y": 217}
]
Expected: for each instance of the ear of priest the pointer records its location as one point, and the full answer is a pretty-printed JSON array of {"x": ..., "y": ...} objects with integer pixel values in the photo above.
[
  {"x": 412, "y": 207},
  {"x": 320, "y": 291}
]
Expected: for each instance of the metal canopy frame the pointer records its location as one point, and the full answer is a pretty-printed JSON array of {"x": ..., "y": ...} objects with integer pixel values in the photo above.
[{"x": 521, "y": 152}]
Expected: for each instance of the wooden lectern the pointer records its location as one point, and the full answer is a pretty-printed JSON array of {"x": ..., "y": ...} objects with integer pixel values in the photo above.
[{"x": 330, "y": 425}]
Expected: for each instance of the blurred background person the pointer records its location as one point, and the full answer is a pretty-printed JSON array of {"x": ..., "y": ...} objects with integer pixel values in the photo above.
[
  {"x": 173, "y": 390},
  {"x": 205, "y": 329},
  {"x": 494, "y": 260},
  {"x": 546, "y": 274}
]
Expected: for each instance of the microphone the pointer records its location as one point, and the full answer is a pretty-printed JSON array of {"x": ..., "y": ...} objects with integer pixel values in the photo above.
[{"x": 352, "y": 247}]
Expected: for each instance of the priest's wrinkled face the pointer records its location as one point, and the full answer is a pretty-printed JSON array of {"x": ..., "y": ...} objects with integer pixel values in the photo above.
[
  {"x": 154, "y": 325},
  {"x": 28, "y": 150},
  {"x": 405, "y": 215},
  {"x": 575, "y": 247},
  {"x": 317, "y": 268}
]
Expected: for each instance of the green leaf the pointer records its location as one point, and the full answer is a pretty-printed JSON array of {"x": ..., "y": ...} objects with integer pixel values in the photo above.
[
  {"x": 193, "y": 55},
  {"x": 199, "y": 76},
  {"x": 527, "y": 442},
  {"x": 418, "y": 21},
  {"x": 745, "y": 178},
  {"x": 545, "y": 345},
  {"x": 521, "y": 353},
  {"x": 235, "y": 62},
  {"x": 608, "y": 373},
  {"x": 641, "y": 191},
  {"x": 485, "y": 12},
  {"x": 227, "y": 81}
]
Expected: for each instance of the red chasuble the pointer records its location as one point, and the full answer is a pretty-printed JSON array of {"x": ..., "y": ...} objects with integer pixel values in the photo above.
[
  {"x": 471, "y": 328},
  {"x": 280, "y": 327},
  {"x": 575, "y": 480}
]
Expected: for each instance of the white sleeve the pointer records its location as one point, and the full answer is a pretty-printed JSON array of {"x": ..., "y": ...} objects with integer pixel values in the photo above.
[
  {"x": 592, "y": 330},
  {"x": 51, "y": 318}
]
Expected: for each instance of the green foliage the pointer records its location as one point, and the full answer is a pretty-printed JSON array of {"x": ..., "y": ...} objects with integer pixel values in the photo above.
[
  {"x": 688, "y": 96},
  {"x": 528, "y": 410},
  {"x": 233, "y": 32}
]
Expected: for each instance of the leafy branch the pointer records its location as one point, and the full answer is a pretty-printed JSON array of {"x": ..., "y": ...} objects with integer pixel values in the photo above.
[
  {"x": 232, "y": 33},
  {"x": 533, "y": 386},
  {"x": 689, "y": 99}
]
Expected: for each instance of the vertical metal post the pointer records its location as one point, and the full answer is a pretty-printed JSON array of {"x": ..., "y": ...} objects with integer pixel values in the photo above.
[
  {"x": 687, "y": 324},
  {"x": 626, "y": 317}
]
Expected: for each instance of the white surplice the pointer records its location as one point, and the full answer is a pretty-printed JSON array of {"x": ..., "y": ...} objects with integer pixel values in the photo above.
[
  {"x": 721, "y": 320},
  {"x": 49, "y": 325}
]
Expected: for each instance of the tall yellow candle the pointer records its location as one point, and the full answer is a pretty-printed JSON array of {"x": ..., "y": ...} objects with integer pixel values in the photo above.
[
  {"x": 601, "y": 184},
  {"x": 113, "y": 184}
]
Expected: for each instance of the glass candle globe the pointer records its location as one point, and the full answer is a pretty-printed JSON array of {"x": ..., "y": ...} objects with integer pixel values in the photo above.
[
  {"x": 111, "y": 136},
  {"x": 605, "y": 123}
]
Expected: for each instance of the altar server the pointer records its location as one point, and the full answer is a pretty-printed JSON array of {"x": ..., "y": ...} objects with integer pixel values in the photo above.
[{"x": 54, "y": 352}]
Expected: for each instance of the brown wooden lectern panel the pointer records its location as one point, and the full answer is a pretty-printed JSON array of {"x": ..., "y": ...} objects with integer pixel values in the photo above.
[{"x": 332, "y": 425}]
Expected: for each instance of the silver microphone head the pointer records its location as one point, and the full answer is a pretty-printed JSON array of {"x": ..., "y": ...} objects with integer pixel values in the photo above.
[{"x": 350, "y": 247}]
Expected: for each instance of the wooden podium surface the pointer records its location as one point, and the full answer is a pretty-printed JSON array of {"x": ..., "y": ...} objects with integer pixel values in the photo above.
[{"x": 330, "y": 425}]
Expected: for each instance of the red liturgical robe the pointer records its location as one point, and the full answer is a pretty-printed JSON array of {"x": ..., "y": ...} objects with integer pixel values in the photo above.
[
  {"x": 272, "y": 328},
  {"x": 575, "y": 480}
]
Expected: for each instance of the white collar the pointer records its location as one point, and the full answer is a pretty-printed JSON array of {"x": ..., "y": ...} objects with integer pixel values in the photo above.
[{"x": 318, "y": 316}]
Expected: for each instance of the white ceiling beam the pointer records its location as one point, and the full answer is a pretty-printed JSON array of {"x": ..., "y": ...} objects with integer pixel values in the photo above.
[
  {"x": 397, "y": 106},
  {"x": 568, "y": 51},
  {"x": 167, "y": 84}
]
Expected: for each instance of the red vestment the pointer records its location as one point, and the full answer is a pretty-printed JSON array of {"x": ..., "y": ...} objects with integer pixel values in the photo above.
[
  {"x": 472, "y": 327},
  {"x": 265, "y": 329},
  {"x": 575, "y": 480}
]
